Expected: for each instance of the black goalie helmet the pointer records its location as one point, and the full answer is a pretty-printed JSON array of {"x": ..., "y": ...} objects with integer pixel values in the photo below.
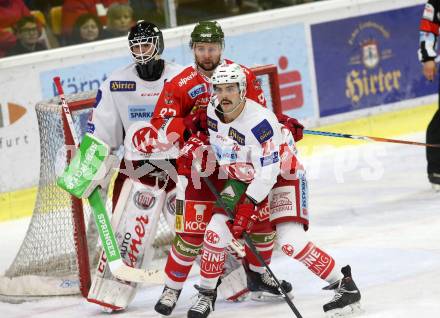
[{"x": 146, "y": 42}]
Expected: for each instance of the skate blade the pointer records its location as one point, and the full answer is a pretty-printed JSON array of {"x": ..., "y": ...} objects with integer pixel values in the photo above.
[
  {"x": 351, "y": 310},
  {"x": 268, "y": 297}
]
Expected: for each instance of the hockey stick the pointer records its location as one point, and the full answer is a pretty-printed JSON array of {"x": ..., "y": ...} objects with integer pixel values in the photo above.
[
  {"x": 367, "y": 138},
  {"x": 116, "y": 265},
  {"x": 248, "y": 240}
]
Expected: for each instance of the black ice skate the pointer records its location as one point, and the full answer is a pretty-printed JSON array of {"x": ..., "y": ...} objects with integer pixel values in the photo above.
[
  {"x": 167, "y": 301},
  {"x": 264, "y": 288},
  {"x": 434, "y": 178},
  {"x": 204, "y": 304},
  {"x": 347, "y": 296}
]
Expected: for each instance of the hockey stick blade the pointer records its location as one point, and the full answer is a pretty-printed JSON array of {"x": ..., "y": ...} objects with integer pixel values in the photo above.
[{"x": 127, "y": 273}]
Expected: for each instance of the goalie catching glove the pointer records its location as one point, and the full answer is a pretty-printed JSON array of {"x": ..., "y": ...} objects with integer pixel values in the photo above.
[{"x": 90, "y": 167}]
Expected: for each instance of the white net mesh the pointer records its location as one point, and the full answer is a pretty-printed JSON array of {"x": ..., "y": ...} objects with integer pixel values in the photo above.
[{"x": 48, "y": 249}]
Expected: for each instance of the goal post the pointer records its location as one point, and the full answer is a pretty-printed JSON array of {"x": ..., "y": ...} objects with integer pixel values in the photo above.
[{"x": 59, "y": 252}]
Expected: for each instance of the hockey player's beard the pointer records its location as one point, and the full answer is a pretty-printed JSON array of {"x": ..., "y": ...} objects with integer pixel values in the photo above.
[{"x": 208, "y": 66}]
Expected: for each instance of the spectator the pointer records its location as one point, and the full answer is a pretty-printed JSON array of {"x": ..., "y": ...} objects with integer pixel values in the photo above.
[
  {"x": 119, "y": 20},
  {"x": 28, "y": 32},
  {"x": 72, "y": 9},
  {"x": 87, "y": 28},
  {"x": 10, "y": 12},
  {"x": 149, "y": 10}
]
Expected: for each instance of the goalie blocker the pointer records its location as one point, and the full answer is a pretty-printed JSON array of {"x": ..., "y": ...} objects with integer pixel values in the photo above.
[{"x": 90, "y": 168}]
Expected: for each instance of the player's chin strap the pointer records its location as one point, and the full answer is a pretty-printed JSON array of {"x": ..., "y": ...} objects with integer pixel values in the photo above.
[{"x": 219, "y": 109}]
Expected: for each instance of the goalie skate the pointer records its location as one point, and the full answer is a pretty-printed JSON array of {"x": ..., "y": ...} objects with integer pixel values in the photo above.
[{"x": 346, "y": 301}]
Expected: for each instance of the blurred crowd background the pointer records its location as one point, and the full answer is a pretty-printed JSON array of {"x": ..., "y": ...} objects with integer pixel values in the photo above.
[{"x": 34, "y": 25}]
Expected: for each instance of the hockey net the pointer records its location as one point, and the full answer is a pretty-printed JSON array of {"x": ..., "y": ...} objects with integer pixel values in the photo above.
[{"x": 59, "y": 251}]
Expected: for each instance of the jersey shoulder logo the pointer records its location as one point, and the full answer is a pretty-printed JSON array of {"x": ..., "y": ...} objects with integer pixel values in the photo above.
[
  {"x": 263, "y": 131},
  {"x": 197, "y": 90},
  {"x": 122, "y": 86},
  {"x": 212, "y": 124},
  {"x": 268, "y": 160},
  {"x": 237, "y": 136}
]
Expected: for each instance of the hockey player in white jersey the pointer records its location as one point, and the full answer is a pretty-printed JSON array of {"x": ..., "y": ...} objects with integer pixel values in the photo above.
[
  {"x": 251, "y": 146},
  {"x": 123, "y": 108}
]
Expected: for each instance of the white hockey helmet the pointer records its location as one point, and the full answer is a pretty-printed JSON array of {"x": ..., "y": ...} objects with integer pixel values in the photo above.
[{"x": 230, "y": 73}]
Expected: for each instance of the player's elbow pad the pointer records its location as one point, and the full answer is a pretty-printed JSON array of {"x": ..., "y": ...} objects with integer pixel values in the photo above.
[{"x": 90, "y": 167}]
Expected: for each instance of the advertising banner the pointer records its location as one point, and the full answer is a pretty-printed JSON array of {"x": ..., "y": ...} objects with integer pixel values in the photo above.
[
  {"x": 368, "y": 60},
  {"x": 284, "y": 47}
]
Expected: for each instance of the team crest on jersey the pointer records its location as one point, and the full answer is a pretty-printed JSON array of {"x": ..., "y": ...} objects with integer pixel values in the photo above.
[
  {"x": 197, "y": 90},
  {"x": 122, "y": 86},
  {"x": 235, "y": 135},
  {"x": 263, "y": 131},
  {"x": 212, "y": 124}
]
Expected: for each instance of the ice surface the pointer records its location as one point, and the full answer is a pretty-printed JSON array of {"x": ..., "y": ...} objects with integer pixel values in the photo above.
[{"x": 370, "y": 206}]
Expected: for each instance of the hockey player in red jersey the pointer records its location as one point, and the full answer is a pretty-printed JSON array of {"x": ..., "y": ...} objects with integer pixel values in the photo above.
[
  {"x": 181, "y": 110},
  {"x": 266, "y": 151}
]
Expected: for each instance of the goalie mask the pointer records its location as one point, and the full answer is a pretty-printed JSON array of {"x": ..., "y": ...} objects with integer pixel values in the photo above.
[
  {"x": 230, "y": 74},
  {"x": 146, "y": 44}
]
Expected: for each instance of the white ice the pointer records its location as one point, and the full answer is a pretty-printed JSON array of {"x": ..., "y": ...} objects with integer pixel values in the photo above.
[{"x": 370, "y": 206}]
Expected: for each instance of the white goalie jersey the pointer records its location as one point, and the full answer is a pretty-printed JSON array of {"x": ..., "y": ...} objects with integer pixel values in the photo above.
[
  {"x": 248, "y": 147},
  {"x": 123, "y": 100}
]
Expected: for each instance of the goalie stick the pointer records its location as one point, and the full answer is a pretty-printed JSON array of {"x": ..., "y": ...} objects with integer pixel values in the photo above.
[
  {"x": 248, "y": 240},
  {"x": 106, "y": 234}
]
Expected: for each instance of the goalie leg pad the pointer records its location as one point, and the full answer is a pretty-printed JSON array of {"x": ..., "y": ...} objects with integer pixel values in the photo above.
[{"x": 135, "y": 222}]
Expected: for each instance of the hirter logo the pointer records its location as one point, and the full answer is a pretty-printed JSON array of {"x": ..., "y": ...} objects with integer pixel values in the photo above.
[{"x": 10, "y": 113}]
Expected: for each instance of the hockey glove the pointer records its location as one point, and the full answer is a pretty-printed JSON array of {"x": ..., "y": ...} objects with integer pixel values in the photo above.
[
  {"x": 196, "y": 121},
  {"x": 92, "y": 166},
  {"x": 245, "y": 218},
  {"x": 293, "y": 125},
  {"x": 193, "y": 149}
]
